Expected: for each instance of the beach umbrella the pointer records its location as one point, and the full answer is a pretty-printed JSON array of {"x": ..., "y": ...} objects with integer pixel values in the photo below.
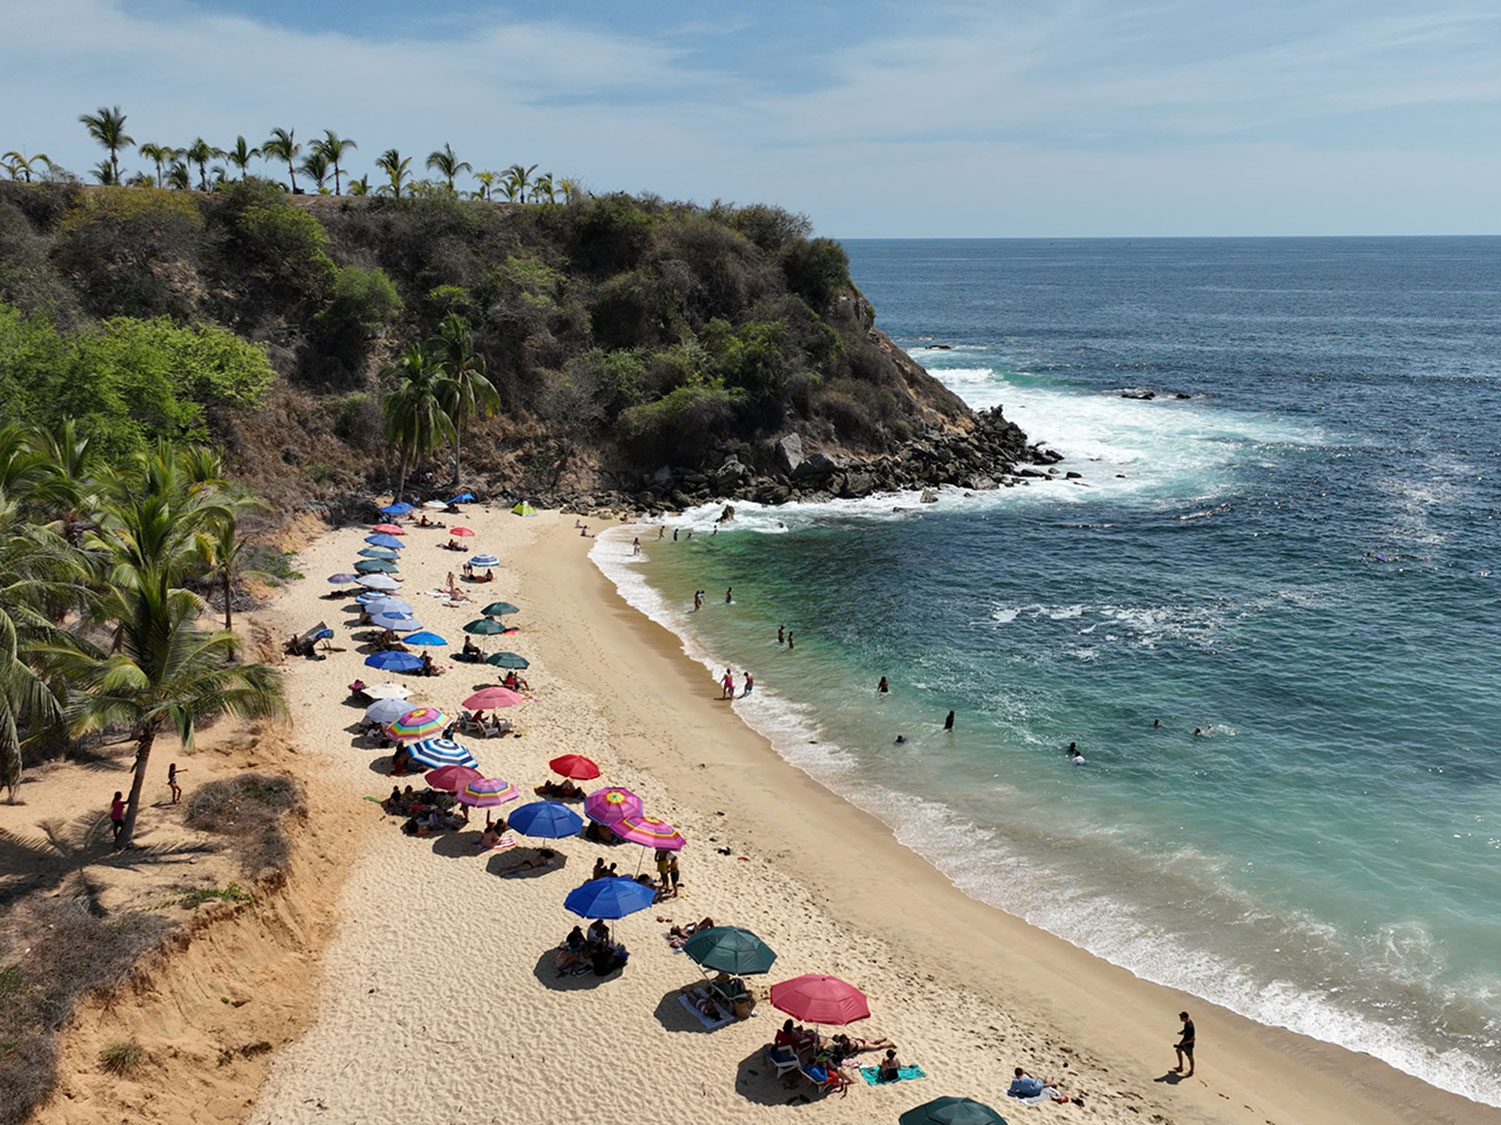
[
  {"x": 648, "y": 831},
  {"x": 386, "y": 691},
  {"x": 483, "y": 560},
  {"x": 451, "y": 778},
  {"x": 487, "y": 699},
  {"x": 575, "y": 766},
  {"x": 820, "y": 999},
  {"x": 729, "y": 949},
  {"x": 547, "y": 819},
  {"x": 400, "y": 508},
  {"x": 385, "y": 711},
  {"x": 343, "y": 579},
  {"x": 609, "y": 898},
  {"x": 424, "y": 638},
  {"x": 507, "y": 660},
  {"x": 605, "y": 806},
  {"x": 379, "y": 553},
  {"x": 375, "y": 566},
  {"x": 396, "y": 621},
  {"x": 394, "y": 661},
  {"x": 488, "y": 792},
  {"x": 484, "y": 627},
  {"x": 436, "y": 752},
  {"x": 435, "y": 505},
  {"x": 382, "y": 539},
  {"x": 379, "y": 582},
  {"x": 952, "y": 1111},
  {"x": 390, "y": 528},
  {"x": 461, "y": 532},
  {"x": 522, "y": 508},
  {"x": 499, "y": 609},
  {"x": 418, "y": 723},
  {"x": 385, "y": 603}
]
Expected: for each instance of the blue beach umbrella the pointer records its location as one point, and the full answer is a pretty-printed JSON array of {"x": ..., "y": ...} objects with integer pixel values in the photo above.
[
  {"x": 394, "y": 661},
  {"x": 396, "y": 621},
  {"x": 609, "y": 898},
  {"x": 375, "y": 566},
  {"x": 424, "y": 638},
  {"x": 547, "y": 819},
  {"x": 463, "y": 498},
  {"x": 379, "y": 553},
  {"x": 400, "y": 508},
  {"x": 381, "y": 539},
  {"x": 484, "y": 560},
  {"x": 436, "y": 752}
]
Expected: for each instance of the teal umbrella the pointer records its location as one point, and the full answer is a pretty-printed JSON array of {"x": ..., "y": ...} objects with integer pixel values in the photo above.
[
  {"x": 729, "y": 949},
  {"x": 507, "y": 660},
  {"x": 952, "y": 1111},
  {"x": 375, "y": 566},
  {"x": 484, "y": 627},
  {"x": 378, "y": 553},
  {"x": 499, "y": 609}
]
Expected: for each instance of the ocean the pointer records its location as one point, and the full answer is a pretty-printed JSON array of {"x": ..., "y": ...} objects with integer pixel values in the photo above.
[{"x": 1295, "y": 558}]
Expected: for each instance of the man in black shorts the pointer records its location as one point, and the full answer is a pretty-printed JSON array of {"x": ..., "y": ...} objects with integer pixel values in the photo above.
[{"x": 1185, "y": 1046}]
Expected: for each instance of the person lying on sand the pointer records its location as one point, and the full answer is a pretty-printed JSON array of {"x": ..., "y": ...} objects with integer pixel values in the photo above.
[
  {"x": 566, "y": 790},
  {"x": 852, "y": 1046},
  {"x": 543, "y": 858}
]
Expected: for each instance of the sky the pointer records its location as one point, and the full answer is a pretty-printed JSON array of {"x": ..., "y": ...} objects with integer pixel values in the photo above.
[{"x": 1006, "y": 118}]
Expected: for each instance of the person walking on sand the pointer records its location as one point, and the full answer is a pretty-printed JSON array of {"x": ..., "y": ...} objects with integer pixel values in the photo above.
[
  {"x": 117, "y": 816},
  {"x": 172, "y": 772},
  {"x": 1185, "y": 1046},
  {"x": 673, "y": 874},
  {"x": 728, "y": 685}
]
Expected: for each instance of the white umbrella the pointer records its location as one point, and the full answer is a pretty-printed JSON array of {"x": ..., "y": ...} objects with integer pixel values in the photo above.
[
  {"x": 379, "y": 582},
  {"x": 387, "y": 711},
  {"x": 387, "y": 691}
]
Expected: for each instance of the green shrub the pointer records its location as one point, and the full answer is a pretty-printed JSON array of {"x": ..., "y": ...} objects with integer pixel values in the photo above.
[
  {"x": 122, "y": 1057},
  {"x": 288, "y": 248},
  {"x": 361, "y": 300},
  {"x": 607, "y": 234},
  {"x": 681, "y": 425},
  {"x": 816, "y": 270}
]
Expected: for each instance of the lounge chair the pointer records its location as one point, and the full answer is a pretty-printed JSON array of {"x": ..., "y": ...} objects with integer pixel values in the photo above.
[
  {"x": 497, "y": 728},
  {"x": 833, "y": 1080},
  {"x": 782, "y": 1058}
]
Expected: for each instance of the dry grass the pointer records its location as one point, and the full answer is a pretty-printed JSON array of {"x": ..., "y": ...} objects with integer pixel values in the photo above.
[{"x": 251, "y": 809}]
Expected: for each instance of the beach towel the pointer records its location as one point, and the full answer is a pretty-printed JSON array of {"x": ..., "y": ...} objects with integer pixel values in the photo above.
[
  {"x": 871, "y": 1074},
  {"x": 709, "y": 1024},
  {"x": 1047, "y": 1093},
  {"x": 507, "y": 840}
]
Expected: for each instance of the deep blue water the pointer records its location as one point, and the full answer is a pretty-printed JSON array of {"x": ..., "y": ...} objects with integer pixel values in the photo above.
[{"x": 1296, "y": 559}]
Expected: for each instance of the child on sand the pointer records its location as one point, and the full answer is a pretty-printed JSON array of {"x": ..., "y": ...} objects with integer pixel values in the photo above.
[{"x": 172, "y": 772}]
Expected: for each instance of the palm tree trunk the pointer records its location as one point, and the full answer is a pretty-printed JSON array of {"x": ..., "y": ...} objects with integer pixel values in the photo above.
[
  {"x": 228, "y": 593},
  {"x": 292, "y": 172},
  {"x": 114, "y": 166},
  {"x": 458, "y": 440},
  {"x": 336, "y": 179},
  {"x": 133, "y": 805},
  {"x": 401, "y": 475}
]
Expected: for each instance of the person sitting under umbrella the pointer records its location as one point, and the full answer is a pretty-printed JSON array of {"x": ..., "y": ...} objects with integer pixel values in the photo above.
[
  {"x": 515, "y": 682},
  {"x": 472, "y": 651},
  {"x": 490, "y": 837},
  {"x": 388, "y": 641},
  {"x": 358, "y": 687},
  {"x": 428, "y": 667},
  {"x": 489, "y": 575}
]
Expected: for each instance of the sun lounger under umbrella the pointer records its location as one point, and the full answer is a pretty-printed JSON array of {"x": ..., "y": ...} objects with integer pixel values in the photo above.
[
  {"x": 484, "y": 627},
  {"x": 499, "y": 609},
  {"x": 389, "y": 529},
  {"x": 384, "y": 711},
  {"x": 425, "y": 637},
  {"x": 396, "y": 621},
  {"x": 375, "y": 566},
  {"x": 729, "y": 949},
  {"x": 418, "y": 723},
  {"x": 820, "y": 999},
  {"x": 386, "y": 691},
  {"x": 648, "y": 831},
  {"x": 952, "y": 1111},
  {"x": 487, "y": 699},
  {"x": 606, "y": 806},
  {"x": 394, "y": 661},
  {"x": 379, "y": 582},
  {"x": 436, "y": 752},
  {"x": 508, "y": 660},
  {"x": 488, "y": 792},
  {"x": 575, "y": 766},
  {"x": 400, "y": 508},
  {"x": 452, "y": 778},
  {"x": 461, "y": 532},
  {"x": 483, "y": 560},
  {"x": 547, "y": 819},
  {"x": 609, "y": 898},
  {"x": 384, "y": 539}
]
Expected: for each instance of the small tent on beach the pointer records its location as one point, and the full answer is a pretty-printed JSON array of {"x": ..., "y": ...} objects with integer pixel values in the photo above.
[{"x": 523, "y": 508}]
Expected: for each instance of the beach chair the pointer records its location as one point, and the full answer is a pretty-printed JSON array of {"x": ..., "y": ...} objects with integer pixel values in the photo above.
[
  {"x": 498, "y": 728},
  {"x": 780, "y": 1057},
  {"x": 833, "y": 1080},
  {"x": 469, "y": 725}
]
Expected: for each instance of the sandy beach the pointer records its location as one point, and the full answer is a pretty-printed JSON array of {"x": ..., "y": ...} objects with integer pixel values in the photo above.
[{"x": 438, "y": 999}]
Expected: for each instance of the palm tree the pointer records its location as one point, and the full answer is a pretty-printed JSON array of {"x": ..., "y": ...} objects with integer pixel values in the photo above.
[
  {"x": 486, "y": 183},
  {"x": 104, "y": 173},
  {"x": 360, "y": 186},
  {"x": 108, "y": 128},
  {"x": 465, "y": 391},
  {"x": 179, "y": 178},
  {"x": 200, "y": 152},
  {"x": 416, "y": 422},
  {"x": 447, "y": 164},
  {"x": 394, "y": 165},
  {"x": 518, "y": 179},
  {"x": 241, "y": 156},
  {"x": 160, "y": 155},
  {"x": 571, "y": 190},
  {"x": 315, "y": 165},
  {"x": 334, "y": 147},
  {"x": 21, "y": 166},
  {"x": 281, "y": 146},
  {"x": 542, "y": 189}
]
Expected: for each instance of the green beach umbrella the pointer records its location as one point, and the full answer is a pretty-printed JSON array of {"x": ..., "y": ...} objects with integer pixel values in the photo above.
[
  {"x": 507, "y": 660},
  {"x": 952, "y": 1111},
  {"x": 375, "y": 566},
  {"x": 499, "y": 609},
  {"x": 378, "y": 553},
  {"x": 729, "y": 949},
  {"x": 484, "y": 627}
]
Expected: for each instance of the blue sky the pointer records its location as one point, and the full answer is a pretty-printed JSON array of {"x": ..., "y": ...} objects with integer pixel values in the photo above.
[{"x": 1035, "y": 118}]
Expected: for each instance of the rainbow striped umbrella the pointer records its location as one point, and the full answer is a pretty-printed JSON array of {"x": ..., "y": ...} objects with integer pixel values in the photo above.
[
  {"x": 606, "y": 806},
  {"x": 423, "y": 722},
  {"x": 436, "y": 752},
  {"x": 648, "y": 831},
  {"x": 488, "y": 792}
]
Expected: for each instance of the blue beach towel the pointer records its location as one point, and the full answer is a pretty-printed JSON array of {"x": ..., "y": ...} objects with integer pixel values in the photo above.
[{"x": 871, "y": 1074}]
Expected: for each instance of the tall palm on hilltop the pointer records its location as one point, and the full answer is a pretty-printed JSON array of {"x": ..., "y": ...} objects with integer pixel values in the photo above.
[
  {"x": 22, "y": 166},
  {"x": 447, "y": 164},
  {"x": 199, "y": 153},
  {"x": 486, "y": 182},
  {"x": 241, "y": 155},
  {"x": 334, "y": 147},
  {"x": 465, "y": 391},
  {"x": 518, "y": 178},
  {"x": 107, "y": 126},
  {"x": 161, "y": 156},
  {"x": 416, "y": 422},
  {"x": 542, "y": 189},
  {"x": 282, "y": 146},
  {"x": 395, "y": 166},
  {"x": 315, "y": 166}
]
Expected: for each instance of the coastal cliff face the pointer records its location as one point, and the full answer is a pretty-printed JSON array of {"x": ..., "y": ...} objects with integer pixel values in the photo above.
[{"x": 644, "y": 353}]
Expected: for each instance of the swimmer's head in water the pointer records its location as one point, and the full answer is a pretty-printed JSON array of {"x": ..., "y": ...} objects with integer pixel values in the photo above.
[{"x": 901, "y": 738}]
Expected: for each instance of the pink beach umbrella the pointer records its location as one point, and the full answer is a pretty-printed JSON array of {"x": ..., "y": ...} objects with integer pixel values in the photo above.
[
  {"x": 648, "y": 831},
  {"x": 487, "y": 792},
  {"x": 452, "y": 778},
  {"x": 461, "y": 532},
  {"x": 390, "y": 529},
  {"x": 606, "y": 806},
  {"x": 487, "y": 699},
  {"x": 820, "y": 999}
]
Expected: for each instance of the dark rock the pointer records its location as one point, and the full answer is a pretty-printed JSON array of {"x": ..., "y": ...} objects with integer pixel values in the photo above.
[
  {"x": 814, "y": 467},
  {"x": 787, "y": 453},
  {"x": 1071, "y": 475}
]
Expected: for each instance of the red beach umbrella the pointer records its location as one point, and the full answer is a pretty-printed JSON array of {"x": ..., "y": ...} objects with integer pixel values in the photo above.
[
  {"x": 452, "y": 778},
  {"x": 575, "y": 766},
  {"x": 390, "y": 529},
  {"x": 461, "y": 532},
  {"x": 488, "y": 698},
  {"x": 820, "y": 999}
]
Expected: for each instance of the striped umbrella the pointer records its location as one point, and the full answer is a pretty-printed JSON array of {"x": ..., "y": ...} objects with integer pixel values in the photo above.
[
  {"x": 379, "y": 582},
  {"x": 389, "y": 529},
  {"x": 343, "y": 579},
  {"x": 418, "y": 723},
  {"x": 436, "y": 752},
  {"x": 488, "y": 792},
  {"x": 575, "y": 766},
  {"x": 461, "y": 532},
  {"x": 379, "y": 553},
  {"x": 648, "y": 831},
  {"x": 396, "y": 621},
  {"x": 605, "y": 806},
  {"x": 483, "y": 560},
  {"x": 452, "y": 778},
  {"x": 499, "y": 609},
  {"x": 375, "y": 566},
  {"x": 507, "y": 660},
  {"x": 484, "y": 627},
  {"x": 489, "y": 698},
  {"x": 385, "y": 711}
]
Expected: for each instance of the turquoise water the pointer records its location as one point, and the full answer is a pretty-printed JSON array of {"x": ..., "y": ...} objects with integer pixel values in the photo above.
[{"x": 1296, "y": 558}]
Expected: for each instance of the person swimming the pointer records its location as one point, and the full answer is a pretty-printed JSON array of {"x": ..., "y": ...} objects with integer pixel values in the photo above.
[{"x": 1073, "y": 753}]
